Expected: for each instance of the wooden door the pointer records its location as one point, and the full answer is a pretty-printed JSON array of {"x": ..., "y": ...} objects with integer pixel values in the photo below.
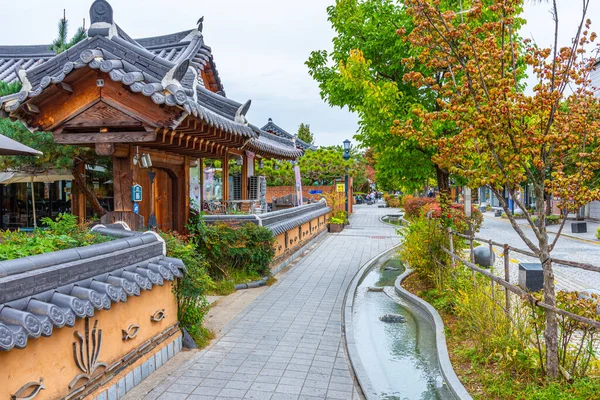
[{"x": 165, "y": 198}]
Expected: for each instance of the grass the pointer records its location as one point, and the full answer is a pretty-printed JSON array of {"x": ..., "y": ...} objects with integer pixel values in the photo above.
[
  {"x": 202, "y": 336},
  {"x": 223, "y": 287},
  {"x": 485, "y": 379}
]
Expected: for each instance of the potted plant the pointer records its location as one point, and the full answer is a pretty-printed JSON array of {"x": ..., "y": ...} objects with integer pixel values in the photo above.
[{"x": 336, "y": 224}]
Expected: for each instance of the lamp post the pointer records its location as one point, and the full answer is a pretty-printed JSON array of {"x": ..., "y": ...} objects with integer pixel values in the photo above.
[{"x": 347, "y": 147}]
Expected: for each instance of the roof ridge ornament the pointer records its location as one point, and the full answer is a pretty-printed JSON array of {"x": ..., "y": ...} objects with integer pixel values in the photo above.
[
  {"x": 101, "y": 11},
  {"x": 101, "y": 20},
  {"x": 22, "y": 76},
  {"x": 200, "y": 23},
  {"x": 240, "y": 114},
  {"x": 176, "y": 74}
]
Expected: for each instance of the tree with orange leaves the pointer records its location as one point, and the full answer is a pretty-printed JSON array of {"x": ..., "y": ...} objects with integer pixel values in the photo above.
[{"x": 504, "y": 137}]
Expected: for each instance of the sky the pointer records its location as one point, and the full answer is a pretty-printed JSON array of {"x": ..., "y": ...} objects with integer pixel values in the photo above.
[{"x": 259, "y": 46}]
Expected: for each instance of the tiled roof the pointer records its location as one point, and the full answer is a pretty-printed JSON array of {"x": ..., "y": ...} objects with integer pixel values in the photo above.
[
  {"x": 164, "y": 68},
  {"x": 171, "y": 80},
  {"x": 277, "y": 130},
  {"x": 41, "y": 293},
  {"x": 168, "y": 47},
  {"x": 273, "y": 146},
  {"x": 280, "y": 221}
]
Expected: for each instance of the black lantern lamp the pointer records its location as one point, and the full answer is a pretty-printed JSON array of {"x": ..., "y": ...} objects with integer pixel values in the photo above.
[{"x": 347, "y": 147}]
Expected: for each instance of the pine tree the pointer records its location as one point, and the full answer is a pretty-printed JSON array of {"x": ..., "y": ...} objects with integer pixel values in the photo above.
[
  {"x": 305, "y": 134},
  {"x": 61, "y": 43}
]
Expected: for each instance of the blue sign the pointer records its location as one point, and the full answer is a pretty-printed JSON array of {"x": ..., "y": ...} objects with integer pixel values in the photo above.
[
  {"x": 136, "y": 193},
  {"x": 136, "y": 208},
  {"x": 315, "y": 192}
]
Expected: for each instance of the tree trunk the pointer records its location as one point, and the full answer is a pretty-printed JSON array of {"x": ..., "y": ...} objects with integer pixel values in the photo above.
[
  {"x": 443, "y": 182},
  {"x": 89, "y": 195},
  {"x": 551, "y": 329}
]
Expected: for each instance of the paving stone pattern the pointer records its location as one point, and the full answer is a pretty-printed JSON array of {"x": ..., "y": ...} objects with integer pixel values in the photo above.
[{"x": 287, "y": 344}]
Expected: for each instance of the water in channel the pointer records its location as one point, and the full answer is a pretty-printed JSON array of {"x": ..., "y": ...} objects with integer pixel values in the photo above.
[{"x": 400, "y": 359}]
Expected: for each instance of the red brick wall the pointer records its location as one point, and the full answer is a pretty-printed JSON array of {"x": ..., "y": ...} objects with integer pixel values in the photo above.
[{"x": 279, "y": 191}]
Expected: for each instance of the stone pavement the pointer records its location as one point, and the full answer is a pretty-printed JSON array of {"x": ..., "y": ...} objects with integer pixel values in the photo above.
[{"x": 287, "y": 344}]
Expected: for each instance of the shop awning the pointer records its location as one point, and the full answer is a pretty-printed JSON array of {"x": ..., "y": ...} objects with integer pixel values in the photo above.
[
  {"x": 25, "y": 177},
  {"x": 9, "y": 147}
]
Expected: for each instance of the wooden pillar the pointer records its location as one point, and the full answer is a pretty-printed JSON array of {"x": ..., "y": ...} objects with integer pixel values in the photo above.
[
  {"x": 225, "y": 172},
  {"x": 186, "y": 192},
  {"x": 122, "y": 182},
  {"x": 245, "y": 160},
  {"x": 77, "y": 197},
  {"x": 201, "y": 181}
]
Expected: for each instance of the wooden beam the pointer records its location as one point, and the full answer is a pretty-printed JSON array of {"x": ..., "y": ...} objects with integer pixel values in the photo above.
[
  {"x": 105, "y": 149},
  {"x": 121, "y": 150},
  {"x": 108, "y": 137}
]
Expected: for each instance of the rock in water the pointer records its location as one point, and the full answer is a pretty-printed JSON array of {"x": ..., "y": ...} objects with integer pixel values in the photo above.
[
  {"x": 393, "y": 318},
  {"x": 391, "y": 269},
  {"x": 375, "y": 289}
]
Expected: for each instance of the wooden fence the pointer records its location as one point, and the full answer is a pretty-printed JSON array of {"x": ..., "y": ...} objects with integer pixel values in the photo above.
[{"x": 506, "y": 281}]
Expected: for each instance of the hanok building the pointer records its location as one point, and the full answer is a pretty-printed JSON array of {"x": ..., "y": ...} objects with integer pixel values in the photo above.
[
  {"x": 155, "y": 102},
  {"x": 271, "y": 127}
]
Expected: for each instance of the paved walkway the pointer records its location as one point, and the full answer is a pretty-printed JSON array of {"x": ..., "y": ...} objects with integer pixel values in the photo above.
[{"x": 287, "y": 344}]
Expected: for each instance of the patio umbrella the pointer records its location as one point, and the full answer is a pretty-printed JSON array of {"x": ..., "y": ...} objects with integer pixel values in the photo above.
[
  {"x": 48, "y": 176},
  {"x": 9, "y": 147}
]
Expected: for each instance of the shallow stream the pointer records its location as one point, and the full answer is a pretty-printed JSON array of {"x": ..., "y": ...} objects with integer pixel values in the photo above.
[{"x": 400, "y": 359}]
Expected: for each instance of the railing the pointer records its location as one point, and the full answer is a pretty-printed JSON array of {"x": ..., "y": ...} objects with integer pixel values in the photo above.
[
  {"x": 229, "y": 206},
  {"x": 510, "y": 288}
]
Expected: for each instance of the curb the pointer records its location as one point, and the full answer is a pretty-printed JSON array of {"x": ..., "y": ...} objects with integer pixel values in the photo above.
[
  {"x": 453, "y": 383},
  {"x": 252, "y": 285}
]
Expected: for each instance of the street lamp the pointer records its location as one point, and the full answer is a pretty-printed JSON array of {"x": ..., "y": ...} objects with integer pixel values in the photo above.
[{"x": 347, "y": 147}]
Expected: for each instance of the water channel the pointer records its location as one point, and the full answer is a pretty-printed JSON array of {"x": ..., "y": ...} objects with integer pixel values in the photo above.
[{"x": 400, "y": 359}]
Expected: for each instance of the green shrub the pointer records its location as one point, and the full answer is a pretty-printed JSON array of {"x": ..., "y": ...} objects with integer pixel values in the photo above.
[
  {"x": 336, "y": 221},
  {"x": 64, "y": 233},
  {"x": 598, "y": 233},
  {"x": 233, "y": 246},
  {"x": 553, "y": 217},
  {"x": 422, "y": 242},
  {"x": 191, "y": 289}
]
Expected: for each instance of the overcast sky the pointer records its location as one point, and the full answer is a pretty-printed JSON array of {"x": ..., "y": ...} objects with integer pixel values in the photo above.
[{"x": 260, "y": 46}]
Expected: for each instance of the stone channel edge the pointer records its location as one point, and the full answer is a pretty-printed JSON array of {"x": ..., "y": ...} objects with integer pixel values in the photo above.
[{"x": 357, "y": 369}]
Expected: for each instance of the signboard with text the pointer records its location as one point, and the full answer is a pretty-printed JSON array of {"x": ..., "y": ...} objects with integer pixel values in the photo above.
[
  {"x": 340, "y": 187},
  {"x": 136, "y": 193}
]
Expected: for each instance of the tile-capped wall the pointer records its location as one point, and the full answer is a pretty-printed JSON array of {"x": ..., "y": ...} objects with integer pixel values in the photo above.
[{"x": 141, "y": 371}]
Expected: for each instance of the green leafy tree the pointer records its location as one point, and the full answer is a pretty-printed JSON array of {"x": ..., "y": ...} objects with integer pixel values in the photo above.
[
  {"x": 364, "y": 72},
  {"x": 305, "y": 134},
  {"x": 317, "y": 167}
]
